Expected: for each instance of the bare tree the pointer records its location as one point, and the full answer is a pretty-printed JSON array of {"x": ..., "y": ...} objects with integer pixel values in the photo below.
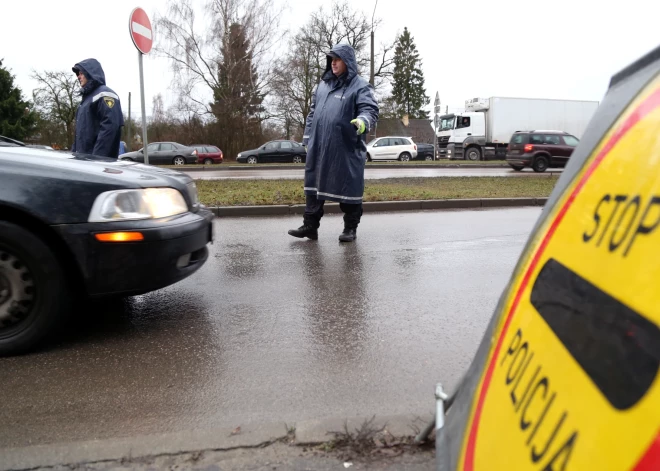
[
  {"x": 194, "y": 46},
  {"x": 57, "y": 101},
  {"x": 305, "y": 62},
  {"x": 159, "y": 126}
]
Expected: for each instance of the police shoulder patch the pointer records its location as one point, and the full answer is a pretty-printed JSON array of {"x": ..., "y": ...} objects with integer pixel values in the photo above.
[{"x": 110, "y": 102}]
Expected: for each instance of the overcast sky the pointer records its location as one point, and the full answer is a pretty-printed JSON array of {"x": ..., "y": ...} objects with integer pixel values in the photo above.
[{"x": 470, "y": 48}]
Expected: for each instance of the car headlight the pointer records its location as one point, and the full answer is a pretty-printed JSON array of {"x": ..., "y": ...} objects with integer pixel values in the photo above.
[
  {"x": 127, "y": 205},
  {"x": 239, "y": 154}
]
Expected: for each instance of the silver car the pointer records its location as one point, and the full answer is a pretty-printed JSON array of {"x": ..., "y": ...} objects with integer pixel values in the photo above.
[{"x": 164, "y": 153}]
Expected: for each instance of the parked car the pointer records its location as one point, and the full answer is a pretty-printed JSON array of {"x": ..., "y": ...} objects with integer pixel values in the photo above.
[
  {"x": 207, "y": 154},
  {"x": 8, "y": 142},
  {"x": 75, "y": 225},
  {"x": 164, "y": 153},
  {"x": 540, "y": 149},
  {"x": 425, "y": 152},
  {"x": 274, "y": 151},
  {"x": 391, "y": 148}
]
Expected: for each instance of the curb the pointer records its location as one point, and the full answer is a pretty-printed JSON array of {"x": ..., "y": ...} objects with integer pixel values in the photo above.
[
  {"x": 415, "y": 205},
  {"x": 220, "y": 167},
  {"x": 219, "y": 439}
]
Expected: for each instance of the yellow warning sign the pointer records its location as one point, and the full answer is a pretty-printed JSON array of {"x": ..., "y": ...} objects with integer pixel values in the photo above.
[{"x": 572, "y": 381}]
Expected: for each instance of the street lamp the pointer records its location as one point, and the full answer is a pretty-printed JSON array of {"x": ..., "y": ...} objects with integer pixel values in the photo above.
[{"x": 371, "y": 78}]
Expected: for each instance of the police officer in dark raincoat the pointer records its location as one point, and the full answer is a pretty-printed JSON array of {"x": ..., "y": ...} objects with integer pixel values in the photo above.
[
  {"x": 99, "y": 118},
  {"x": 343, "y": 110}
]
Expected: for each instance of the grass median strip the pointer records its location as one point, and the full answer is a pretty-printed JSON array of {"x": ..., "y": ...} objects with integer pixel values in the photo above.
[{"x": 287, "y": 192}]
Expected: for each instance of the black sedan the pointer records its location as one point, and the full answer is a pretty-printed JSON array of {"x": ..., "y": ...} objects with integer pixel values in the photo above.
[
  {"x": 274, "y": 151},
  {"x": 164, "y": 153},
  {"x": 425, "y": 152},
  {"x": 73, "y": 225}
]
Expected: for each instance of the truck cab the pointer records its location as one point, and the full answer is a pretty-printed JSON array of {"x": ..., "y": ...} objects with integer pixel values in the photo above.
[{"x": 454, "y": 131}]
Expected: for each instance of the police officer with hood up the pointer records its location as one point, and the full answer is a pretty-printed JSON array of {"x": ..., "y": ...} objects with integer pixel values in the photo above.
[
  {"x": 99, "y": 118},
  {"x": 343, "y": 110}
]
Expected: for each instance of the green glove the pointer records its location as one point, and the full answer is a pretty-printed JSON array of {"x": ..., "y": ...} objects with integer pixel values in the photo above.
[{"x": 359, "y": 124}]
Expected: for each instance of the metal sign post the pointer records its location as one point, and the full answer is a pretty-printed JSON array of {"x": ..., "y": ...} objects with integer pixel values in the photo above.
[
  {"x": 145, "y": 143},
  {"x": 139, "y": 27}
]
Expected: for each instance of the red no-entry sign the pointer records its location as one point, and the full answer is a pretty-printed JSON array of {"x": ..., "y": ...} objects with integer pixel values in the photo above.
[{"x": 140, "y": 29}]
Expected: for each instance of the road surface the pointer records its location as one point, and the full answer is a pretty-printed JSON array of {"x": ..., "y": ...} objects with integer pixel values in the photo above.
[
  {"x": 276, "y": 329},
  {"x": 370, "y": 173}
]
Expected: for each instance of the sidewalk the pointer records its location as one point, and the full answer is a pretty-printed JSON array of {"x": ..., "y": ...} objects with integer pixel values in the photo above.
[
  {"x": 359, "y": 443},
  {"x": 415, "y": 205}
]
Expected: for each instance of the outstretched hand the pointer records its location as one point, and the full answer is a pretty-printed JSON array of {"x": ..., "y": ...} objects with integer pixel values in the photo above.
[{"x": 359, "y": 124}]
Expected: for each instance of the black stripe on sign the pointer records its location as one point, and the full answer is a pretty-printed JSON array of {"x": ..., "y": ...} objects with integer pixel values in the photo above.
[{"x": 617, "y": 347}]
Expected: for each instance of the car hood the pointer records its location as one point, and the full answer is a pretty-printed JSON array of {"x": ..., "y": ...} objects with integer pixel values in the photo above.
[
  {"x": 134, "y": 153},
  {"x": 89, "y": 168}
]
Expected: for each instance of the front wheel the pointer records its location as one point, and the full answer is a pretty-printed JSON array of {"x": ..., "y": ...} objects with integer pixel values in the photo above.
[
  {"x": 517, "y": 168},
  {"x": 473, "y": 153},
  {"x": 368, "y": 157},
  {"x": 33, "y": 289},
  {"x": 405, "y": 157},
  {"x": 252, "y": 159},
  {"x": 429, "y": 157},
  {"x": 297, "y": 159},
  {"x": 179, "y": 161}
]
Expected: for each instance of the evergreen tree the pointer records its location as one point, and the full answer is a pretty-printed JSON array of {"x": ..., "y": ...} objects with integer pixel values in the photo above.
[
  {"x": 17, "y": 120},
  {"x": 238, "y": 99},
  {"x": 408, "y": 88}
]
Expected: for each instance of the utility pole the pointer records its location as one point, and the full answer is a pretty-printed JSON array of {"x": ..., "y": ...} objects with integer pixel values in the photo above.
[
  {"x": 371, "y": 77},
  {"x": 436, "y": 119},
  {"x": 129, "y": 137}
]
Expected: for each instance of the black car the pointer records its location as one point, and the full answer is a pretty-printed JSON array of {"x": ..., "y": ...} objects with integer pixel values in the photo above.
[
  {"x": 425, "y": 152},
  {"x": 274, "y": 151},
  {"x": 73, "y": 225}
]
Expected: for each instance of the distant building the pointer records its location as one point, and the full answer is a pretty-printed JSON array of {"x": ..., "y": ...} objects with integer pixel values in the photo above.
[{"x": 421, "y": 130}]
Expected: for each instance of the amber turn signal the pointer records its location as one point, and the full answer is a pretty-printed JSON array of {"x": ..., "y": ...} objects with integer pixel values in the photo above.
[{"x": 119, "y": 237}]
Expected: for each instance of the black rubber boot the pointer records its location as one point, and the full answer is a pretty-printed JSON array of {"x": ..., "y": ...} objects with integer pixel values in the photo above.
[
  {"x": 305, "y": 231},
  {"x": 349, "y": 235}
]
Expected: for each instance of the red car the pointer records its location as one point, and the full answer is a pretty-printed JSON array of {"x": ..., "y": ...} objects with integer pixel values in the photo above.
[{"x": 208, "y": 155}]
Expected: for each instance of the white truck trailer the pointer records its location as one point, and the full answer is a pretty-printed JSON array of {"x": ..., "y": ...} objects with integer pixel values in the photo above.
[{"x": 483, "y": 130}]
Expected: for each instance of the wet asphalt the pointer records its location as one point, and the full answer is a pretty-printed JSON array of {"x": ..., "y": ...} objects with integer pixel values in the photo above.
[
  {"x": 275, "y": 329},
  {"x": 369, "y": 173}
]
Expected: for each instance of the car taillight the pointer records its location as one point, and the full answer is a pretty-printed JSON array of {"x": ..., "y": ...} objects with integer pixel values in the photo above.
[
  {"x": 529, "y": 147},
  {"x": 415, "y": 146}
]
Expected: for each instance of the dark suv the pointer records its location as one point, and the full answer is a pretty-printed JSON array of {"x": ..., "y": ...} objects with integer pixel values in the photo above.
[{"x": 540, "y": 149}]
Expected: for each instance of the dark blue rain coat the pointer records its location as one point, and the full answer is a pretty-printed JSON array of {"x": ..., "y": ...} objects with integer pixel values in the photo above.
[
  {"x": 99, "y": 118},
  {"x": 336, "y": 155}
]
